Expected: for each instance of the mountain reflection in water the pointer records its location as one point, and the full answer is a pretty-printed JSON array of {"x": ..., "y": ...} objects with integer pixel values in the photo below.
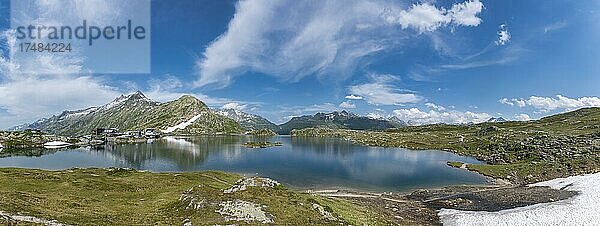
[{"x": 300, "y": 162}]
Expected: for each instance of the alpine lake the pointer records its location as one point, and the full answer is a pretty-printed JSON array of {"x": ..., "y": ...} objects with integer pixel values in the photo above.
[{"x": 300, "y": 163}]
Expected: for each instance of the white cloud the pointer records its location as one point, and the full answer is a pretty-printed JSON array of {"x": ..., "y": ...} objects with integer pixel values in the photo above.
[
  {"x": 427, "y": 17},
  {"x": 382, "y": 91},
  {"x": 555, "y": 26},
  {"x": 422, "y": 17},
  {"x": 354, "y": 97},
  {"x": 520, "y": 103},
  {"x": 522, "y": 117},
  {"x": 235, "y": 106},
  {"x": 466, "y": 13},
  {"x": 293, "y": 39},
  {"x": 503, "y": 35},
  {"x": 414, "y": 116},
  {"x": 506, "y": 101},
  {"x": 347, "y": 104},
  {"x": 435, "y": 107},
  {"x": 559, "y": 102}
]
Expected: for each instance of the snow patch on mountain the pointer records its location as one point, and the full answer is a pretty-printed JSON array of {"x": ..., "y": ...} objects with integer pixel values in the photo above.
[
  {"x": 579, "y": 210},
  {"x": 183, "y": 125},
  {"x": 81, "y": 113}
]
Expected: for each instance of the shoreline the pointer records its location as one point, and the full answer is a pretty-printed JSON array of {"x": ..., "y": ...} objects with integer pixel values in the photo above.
[
  {"x": 526, "y": 158},
  {"x": 580, "y": 209},
  {"x": 419, "y": 206}
]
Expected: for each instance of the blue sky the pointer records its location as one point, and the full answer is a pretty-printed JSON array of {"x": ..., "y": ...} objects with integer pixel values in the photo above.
[{"x": 422, "y": 61}]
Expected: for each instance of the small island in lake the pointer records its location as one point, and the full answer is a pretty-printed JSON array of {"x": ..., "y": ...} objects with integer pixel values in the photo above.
[{"x": 262, "y": 144}]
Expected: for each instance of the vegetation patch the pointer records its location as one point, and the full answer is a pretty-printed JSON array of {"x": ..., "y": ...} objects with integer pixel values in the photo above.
[
  {"x": 118, "y": 196},
  {"x": 262, "y": 144}
]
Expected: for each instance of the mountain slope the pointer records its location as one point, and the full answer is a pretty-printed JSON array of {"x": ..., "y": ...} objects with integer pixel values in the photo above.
[
  {"x": 337, "y": 120},
  {"x": 136, "y": 112},
  {"x": 246, "y": 120}
]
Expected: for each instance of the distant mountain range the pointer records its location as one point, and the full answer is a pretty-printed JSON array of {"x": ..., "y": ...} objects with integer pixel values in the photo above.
[
  {"x": 191, "y": 116},
  {"x": 246, "y": 120},
  {"x": 499, "y": 119},
  {"x": 338, "y": 120}
]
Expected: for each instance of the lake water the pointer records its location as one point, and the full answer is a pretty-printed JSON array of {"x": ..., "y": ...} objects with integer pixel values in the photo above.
[{"x": 303, "y": 163}]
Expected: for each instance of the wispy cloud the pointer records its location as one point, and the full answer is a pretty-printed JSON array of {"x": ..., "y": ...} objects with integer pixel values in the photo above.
[
  {"x": 293, "y": 39},
  {"x": 555, "y": 26},
  {"x": 381, "y": 90},
  {"x": 347, "y": 105},
  {"x": 485, "y": 58}
]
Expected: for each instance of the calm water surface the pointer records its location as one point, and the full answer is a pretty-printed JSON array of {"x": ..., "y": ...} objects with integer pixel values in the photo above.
[{"x": 306, "y": 163}]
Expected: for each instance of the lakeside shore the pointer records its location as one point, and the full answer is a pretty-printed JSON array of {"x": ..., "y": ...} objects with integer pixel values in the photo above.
[
  {"x": 125, "y": 196},
  {"x": 517, "y": 152}
]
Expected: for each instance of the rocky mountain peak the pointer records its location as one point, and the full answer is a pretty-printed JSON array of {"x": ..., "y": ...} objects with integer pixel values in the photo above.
[
  {"x": 336, "y": 115},
  {"x": 135, "y": 97},
  {"x": 499, "y": 119},
  {"x": 189, "y": 100},
  {"x": 138, "y": 95}
]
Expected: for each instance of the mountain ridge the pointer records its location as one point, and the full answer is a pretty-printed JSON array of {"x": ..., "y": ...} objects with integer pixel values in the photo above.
[
  {"x": 336, "y": 120},
  {"x": 136, "y": 112},
  {"x": 499, "y": 119},
  {"x": 248, "y": 121}
]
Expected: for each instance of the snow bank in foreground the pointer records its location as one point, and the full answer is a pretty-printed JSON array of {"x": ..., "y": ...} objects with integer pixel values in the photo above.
[
  {"x": 183, "y": 125},
  {"x": 583, "y": 209}
]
